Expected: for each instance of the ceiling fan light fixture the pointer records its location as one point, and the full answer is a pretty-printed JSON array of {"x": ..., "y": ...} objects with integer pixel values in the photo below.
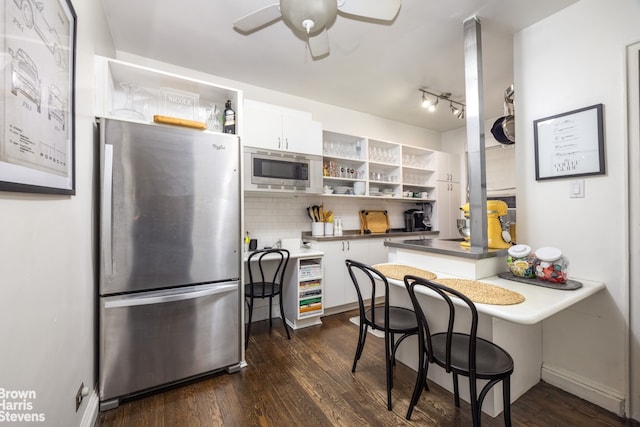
[
  {"x": 308, "y": 25},
  {"x": 309, "y": 16}
]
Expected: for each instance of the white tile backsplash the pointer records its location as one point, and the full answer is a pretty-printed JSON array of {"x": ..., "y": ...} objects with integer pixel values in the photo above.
[{"x": 273, "y": 216}]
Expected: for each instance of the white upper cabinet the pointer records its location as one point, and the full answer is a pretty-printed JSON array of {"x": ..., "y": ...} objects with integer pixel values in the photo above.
[
  {"x": 276, "y": 128},
  {"x": 448, "y": 167}
]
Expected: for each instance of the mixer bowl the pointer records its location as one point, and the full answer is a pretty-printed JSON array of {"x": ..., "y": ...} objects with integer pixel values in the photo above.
[{"x": 464, "y": 227}]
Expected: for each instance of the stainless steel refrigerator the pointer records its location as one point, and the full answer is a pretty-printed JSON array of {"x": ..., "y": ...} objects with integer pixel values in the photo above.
[{"x": 170, "y": 256}]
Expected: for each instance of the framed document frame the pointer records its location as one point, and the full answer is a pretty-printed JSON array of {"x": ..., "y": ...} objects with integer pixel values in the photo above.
[
  {"x": 37, "y": 97},
  {"x": 570, "y": 144}
]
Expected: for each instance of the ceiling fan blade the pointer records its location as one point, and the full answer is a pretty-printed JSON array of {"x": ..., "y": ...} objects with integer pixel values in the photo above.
[
  {"x": 385, "y": 10},
  {"x": 319, "y": 44},
  {"x": 258, "y": 19}
]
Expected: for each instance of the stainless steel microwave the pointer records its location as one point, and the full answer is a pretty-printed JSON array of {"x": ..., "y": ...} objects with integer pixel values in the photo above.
[{"x": 277, "y": 170}]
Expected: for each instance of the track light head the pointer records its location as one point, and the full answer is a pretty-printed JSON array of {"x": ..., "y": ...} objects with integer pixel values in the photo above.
[
  {"x": 434, "y": 105},
  {"x": 425, "y": 101},
  {"x": 430, "y": 101}
]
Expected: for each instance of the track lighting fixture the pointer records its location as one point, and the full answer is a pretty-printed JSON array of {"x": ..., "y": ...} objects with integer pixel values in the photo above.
[
  {"x": 433, "y": 105},
  {"x": 430, "y": 102}
]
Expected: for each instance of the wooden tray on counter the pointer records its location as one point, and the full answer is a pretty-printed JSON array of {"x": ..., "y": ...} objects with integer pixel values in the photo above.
[{"x": 373, "y": 222}]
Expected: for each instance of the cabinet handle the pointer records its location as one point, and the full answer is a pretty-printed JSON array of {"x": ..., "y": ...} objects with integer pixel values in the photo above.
[
  {"x": 286, "y": 140},
  {"x": 342, "y": 246},
  {"x": 279, "y": 143},
  {"x": 348, "y": 245}
]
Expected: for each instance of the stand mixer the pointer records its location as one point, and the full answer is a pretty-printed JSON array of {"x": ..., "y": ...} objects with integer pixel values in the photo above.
[{"x": 498, "y": 236}]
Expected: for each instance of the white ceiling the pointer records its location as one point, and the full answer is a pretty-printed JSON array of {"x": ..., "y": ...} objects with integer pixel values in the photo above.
[{"x": 373, "y": 68}]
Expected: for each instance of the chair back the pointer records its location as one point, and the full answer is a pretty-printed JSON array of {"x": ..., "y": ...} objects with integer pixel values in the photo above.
[
  {"x": 276, "y": 261},
  {"x": 370, "y": 280},
  {"x": 424, "y": 332}
]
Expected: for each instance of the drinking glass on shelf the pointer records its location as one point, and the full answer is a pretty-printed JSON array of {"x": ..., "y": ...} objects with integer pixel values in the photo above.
[
  {"x": 128, "y": 109},
  {"x": 213, "y": 119},
  {"x": 358, "y": 149}
]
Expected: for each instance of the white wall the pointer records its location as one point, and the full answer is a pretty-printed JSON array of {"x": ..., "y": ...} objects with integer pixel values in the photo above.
[
  {"x": 47, "y": 297},
  {"x": 332, "y": 118},
  {"x": 574, "y": 59},
  {"x": 633, "y": 79},
  {"x": 47, "y": 294},
  {"x": 270, "y": 218},
  {"x": 455, "y": 141}
]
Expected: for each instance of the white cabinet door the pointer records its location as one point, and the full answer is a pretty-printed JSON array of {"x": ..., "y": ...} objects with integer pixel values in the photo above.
[
  {"x": 448, "y": 167},
  {"x": 334, "y": 273},
  {"x": 277, "y": 128},
  {"x": 378, "y": 252},
  {"x": 338, "y": 287},
  {"x": 356, "y": 250},
  {"x": 262, "y": 128},
  {"x": 301, "y": 136},
  {"x": 448, "y": 208}
]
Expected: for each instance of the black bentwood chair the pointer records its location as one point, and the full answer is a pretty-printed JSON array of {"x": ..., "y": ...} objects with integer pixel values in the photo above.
[
  {"x": 392, "y": 320},
  {"x": 265, "y": 284},
  {"x": 459, "y": 353}
]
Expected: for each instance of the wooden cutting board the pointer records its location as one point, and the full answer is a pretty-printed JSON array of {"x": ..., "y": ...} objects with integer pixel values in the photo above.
[
  {"x": 179, "y": 122},
  {"x": 372, "y": 222}
]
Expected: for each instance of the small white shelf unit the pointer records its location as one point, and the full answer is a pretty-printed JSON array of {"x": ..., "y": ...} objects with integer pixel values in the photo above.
[{"x": 304, "y": 293}]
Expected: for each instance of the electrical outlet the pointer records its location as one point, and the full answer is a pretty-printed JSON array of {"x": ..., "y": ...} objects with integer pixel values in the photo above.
[{"x": 79, "y": 396}]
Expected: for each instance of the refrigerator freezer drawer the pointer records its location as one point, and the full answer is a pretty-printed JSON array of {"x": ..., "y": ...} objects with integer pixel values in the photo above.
[{"x": 156, "y": 338}]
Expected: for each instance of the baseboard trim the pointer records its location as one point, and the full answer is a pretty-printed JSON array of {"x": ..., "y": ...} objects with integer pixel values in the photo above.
[
  {"x": 584, "y": 388},
  {"x": 91, "y": 413}
]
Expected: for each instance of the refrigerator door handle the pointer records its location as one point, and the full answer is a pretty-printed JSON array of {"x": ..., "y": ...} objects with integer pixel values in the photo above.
[
  {"x": 106, "y": 209},
  {"x": 163, "y": 297}
]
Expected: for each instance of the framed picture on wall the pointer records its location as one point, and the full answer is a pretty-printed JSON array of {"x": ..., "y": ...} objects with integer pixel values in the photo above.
[
  {"x": 37, "y": 106},
  {"x": 570, "y": 144}
]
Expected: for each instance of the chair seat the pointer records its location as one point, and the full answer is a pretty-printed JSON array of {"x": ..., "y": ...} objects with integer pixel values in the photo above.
[
  {"x": 400, "y": 319},
  {"x": 262, "y": 289},
  {"x": 491, "y": 360}
]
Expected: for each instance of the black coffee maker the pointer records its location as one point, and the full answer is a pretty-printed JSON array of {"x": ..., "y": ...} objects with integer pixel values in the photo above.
[
  {"x": 414, "y": 220},
  {"x": 418, "y": 219}
]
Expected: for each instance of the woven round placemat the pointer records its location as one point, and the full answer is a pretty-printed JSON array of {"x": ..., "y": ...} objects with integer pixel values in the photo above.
[
  {"x": 398, "y": 271},
  {"x": 483, "y": 293}
]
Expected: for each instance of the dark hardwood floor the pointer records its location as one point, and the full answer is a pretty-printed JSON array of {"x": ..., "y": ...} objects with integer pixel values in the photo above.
[{"x": 308, "y": 381}]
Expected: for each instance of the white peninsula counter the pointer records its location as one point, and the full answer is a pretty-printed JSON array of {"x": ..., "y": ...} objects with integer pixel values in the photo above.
[{"x": 517, "y": 328}]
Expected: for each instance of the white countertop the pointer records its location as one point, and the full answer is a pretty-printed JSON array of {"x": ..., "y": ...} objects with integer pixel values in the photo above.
[
  {"x": 539, "y": 303},
  {"x": 293, "y": 253}
]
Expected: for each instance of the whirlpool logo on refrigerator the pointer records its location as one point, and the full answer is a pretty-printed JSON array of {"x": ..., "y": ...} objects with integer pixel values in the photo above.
[{"x": 219, "y": 146}]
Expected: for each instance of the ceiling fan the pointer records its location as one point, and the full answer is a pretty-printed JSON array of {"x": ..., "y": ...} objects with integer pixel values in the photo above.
[{"x": 313, "y": 17}]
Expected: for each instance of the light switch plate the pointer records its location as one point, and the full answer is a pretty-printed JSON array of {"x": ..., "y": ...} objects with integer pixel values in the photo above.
[{"x": 576, "y": 189}]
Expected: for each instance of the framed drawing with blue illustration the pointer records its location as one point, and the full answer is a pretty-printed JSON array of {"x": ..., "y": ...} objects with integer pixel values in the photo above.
[
  {"x": 37, "y": 91},
  {"x": 570, "y": 144}
]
